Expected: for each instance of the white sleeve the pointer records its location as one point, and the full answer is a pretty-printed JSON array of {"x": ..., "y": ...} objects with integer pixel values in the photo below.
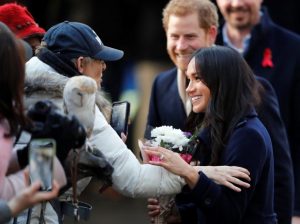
[{"x": 130, "y": 177}]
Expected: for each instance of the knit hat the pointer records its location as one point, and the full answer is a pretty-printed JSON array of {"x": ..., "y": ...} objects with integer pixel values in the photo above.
[{"x": 20, "y": 21}]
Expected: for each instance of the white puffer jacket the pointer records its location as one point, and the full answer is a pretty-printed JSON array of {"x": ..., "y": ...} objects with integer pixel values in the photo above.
[{"x": 129, "y": 177}]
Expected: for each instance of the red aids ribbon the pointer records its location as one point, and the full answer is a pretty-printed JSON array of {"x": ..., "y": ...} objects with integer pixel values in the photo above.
[{"x": 267, "y": 59}]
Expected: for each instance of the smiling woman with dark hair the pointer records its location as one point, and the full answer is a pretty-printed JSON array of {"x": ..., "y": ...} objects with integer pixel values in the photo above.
[{"x": 224, "y": 90}]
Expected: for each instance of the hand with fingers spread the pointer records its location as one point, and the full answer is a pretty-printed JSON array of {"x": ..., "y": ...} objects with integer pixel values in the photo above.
[{"x": 233, "y": 177}]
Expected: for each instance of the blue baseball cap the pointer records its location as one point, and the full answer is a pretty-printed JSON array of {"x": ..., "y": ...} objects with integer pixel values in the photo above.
[{"x": 74, "y": 39}]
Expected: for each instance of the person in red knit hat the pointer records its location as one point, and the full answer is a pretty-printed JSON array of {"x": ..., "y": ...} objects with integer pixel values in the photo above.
[{"x": 22, "y": 23}]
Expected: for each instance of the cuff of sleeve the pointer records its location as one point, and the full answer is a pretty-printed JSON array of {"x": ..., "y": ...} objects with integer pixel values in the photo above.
[
  {"x": 205, "y": 192},
  {"x": 5, "y": 212}
]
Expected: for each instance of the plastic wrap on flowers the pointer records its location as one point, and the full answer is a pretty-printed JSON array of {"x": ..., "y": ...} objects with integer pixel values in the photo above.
[{"x": 177, "y": 141}]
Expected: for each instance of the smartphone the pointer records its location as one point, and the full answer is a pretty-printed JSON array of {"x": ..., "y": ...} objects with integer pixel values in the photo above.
[
  {"x": 41, "y": 156},
  {"x": 120, "y": 116}
]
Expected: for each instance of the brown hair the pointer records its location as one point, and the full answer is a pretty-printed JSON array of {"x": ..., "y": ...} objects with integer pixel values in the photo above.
[
  {"x": 12, "y": 72},
  {"x": 207, "y": 12}
]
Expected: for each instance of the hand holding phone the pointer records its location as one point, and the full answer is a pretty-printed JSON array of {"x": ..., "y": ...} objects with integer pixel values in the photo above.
[
  {"x": 41, "y": 155},
  {"x": 120, "y": 117}
]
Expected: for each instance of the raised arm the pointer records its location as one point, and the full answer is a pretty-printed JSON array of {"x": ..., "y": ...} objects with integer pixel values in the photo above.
[
  {"x": 130, "y": 177},
  {"x": 233, "y": 177}
]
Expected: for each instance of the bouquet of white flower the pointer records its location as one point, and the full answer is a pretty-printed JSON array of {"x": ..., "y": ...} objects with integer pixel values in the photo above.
[{"x": 173, "y": 139}]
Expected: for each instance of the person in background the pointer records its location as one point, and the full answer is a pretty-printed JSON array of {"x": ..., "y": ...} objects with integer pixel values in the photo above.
[
  {"x": 224, "y": 92},
  {"x": 12, "y": 118},
  {"x": 273, "y": 53},
  {"x": 22, "y": 23},
  {"x": 190, "y": 25}
]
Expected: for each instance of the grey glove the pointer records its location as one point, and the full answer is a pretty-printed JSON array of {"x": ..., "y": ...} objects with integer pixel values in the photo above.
[{"x": 91, "y": 163}]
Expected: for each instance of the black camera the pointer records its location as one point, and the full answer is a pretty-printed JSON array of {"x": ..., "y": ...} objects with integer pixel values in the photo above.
[{"x": 49, "y": 122}]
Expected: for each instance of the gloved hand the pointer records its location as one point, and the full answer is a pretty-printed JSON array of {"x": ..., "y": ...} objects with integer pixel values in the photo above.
[
  {"x": 48, "y": 122},
  {"x": 91, "y": 163}
]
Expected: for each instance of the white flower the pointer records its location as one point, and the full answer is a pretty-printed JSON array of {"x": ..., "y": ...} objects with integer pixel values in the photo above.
[{"x": 169, "y": 135}]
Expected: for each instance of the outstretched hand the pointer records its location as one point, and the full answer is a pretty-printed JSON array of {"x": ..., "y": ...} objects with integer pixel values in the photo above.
[
  {"x": 173, "y": 162},
  {"x": 233, "y": 177},
  {"x": 169, "y": 160}
]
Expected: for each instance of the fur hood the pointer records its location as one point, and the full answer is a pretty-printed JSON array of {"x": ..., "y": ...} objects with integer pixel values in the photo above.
[{"x": 43, "y": 82}]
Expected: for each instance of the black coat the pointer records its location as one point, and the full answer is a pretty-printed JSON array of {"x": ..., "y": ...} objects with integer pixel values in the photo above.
[
  {"x": 248, "y": 146},
  {"x": 284, "y": 75}
]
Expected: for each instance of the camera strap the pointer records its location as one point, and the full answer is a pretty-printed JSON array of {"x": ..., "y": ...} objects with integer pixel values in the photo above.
[
  {"x": 79, "y": 210},
  {"x": 42, "y": 213},
  {"x": 74, "y": 184}
]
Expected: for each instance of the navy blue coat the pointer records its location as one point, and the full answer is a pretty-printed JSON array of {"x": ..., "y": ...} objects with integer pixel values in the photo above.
[
  {"x": 248, "y": 146},
  {"x": 166, "y": 108},
  {"x": 284, "y": 77}
]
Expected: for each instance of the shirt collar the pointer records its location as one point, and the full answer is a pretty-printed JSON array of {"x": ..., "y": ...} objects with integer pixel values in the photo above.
[
  {"x": 246, "y": 40},
  {"x": 182, "y": 84},
  {"x": 228, "y": 43}
]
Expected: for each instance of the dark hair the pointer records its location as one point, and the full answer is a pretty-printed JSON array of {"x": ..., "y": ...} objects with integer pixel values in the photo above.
[
  {"x": 12, "y": 74},
  {"x": 234, "y": 92}
]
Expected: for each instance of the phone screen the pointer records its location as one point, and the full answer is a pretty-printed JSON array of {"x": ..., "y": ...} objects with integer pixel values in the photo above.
[
  {"x": 41, "y": 154},
  {"x": 120, "y": 116}
]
